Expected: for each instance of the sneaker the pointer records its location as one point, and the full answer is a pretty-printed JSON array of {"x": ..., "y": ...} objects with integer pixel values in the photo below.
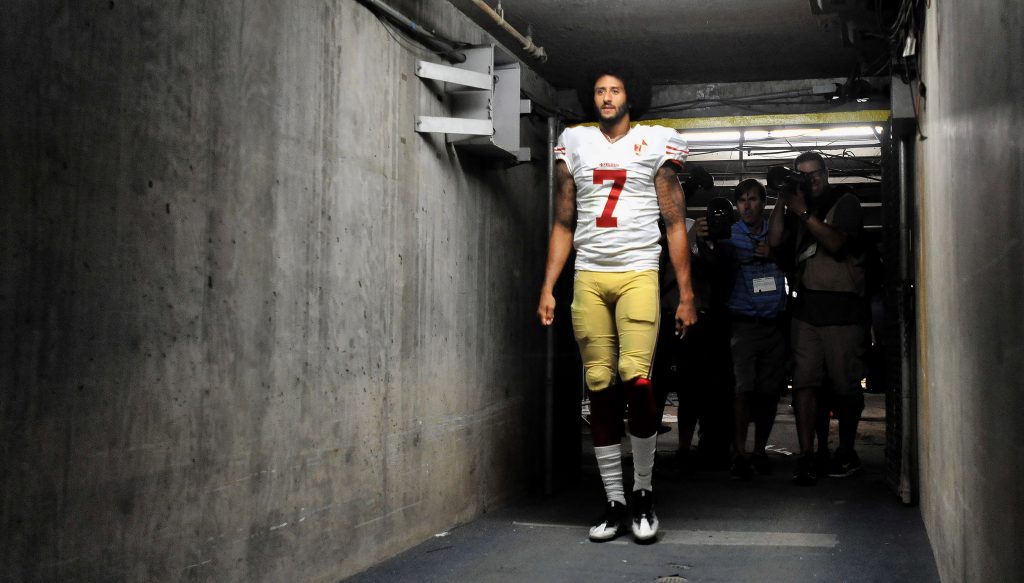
[
  {"x": 804, "y": 474},
  {"x": 613, "y": 520},
  {"x": 844, "y": 464},
  {"x": 645, "y": 523},
  {"x": 740, "y": 469},
  {"x": 761, "y": 463}
]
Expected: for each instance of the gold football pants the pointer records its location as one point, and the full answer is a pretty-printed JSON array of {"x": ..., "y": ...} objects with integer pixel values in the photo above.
[{"x": 615, "y": 320}]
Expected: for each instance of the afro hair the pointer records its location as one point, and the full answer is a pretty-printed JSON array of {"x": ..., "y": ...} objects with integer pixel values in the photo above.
[{"x": 632, "y": 75}]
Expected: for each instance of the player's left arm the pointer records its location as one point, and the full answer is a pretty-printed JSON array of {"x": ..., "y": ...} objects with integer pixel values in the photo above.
[
  {"x": 672, "y": 202},
  {"x": 845, "y": 226}
]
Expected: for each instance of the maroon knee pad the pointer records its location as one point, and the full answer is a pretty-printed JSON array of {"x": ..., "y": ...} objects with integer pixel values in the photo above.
[{"x": 643, "y": 411}]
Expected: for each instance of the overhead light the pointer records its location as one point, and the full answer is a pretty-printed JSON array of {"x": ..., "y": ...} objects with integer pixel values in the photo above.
[
  {"x": 794, "y": 132},
  {"x": 805, "y": 136},
  {"x": 754, "y": 135},
  {"x": 712, "y": 136},
  {"x": 848, "y": 132}
]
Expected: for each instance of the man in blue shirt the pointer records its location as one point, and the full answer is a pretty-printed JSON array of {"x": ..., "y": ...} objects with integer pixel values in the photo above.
[{"x": 756, "y": 303}]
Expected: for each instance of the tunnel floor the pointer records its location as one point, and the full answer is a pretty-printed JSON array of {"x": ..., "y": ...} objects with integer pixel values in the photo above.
[{"x": 712, "y": 528}]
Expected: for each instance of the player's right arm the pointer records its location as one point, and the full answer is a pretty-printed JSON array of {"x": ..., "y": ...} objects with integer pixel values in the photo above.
[{"x": 560, "y": 242}]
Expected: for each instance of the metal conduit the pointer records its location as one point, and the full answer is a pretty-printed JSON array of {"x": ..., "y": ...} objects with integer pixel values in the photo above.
[
  {"x": 445, "y": 48},
  {"x": 549, "y": 332},
  {"x": 905, "y": 485},
  {"x": 527, "y": 42}
]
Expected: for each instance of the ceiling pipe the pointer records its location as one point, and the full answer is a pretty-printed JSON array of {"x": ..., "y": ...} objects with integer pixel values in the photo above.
[
  {"x": 443, "y": 47},
  {"x": 527, "y": 41}
]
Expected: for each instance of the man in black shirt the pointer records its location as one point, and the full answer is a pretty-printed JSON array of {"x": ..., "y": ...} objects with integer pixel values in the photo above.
[{"x": 828, "y": 310}]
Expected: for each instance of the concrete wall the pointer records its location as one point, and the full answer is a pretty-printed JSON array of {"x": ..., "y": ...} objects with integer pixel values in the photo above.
[
  {"x": 254, "y": 327},
  {"x": 971, "y": 273}
]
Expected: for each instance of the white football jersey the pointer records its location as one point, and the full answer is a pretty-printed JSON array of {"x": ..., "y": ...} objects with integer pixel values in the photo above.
[{"x": 616, "y": 206}]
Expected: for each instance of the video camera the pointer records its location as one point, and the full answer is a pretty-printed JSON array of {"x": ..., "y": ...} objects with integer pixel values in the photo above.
[
  {"x": 698, "y": 178},
  {"x": 784, "y": 180},
  {"x": 721, "y": 214}
]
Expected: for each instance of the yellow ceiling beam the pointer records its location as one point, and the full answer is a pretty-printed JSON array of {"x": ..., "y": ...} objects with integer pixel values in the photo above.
[{"x": 867, "y": 116}]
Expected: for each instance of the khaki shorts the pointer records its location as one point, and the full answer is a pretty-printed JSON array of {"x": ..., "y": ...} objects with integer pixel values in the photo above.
[
  {"x": 758, "y": 358},
  {"x": 615, "y": 320},
  {"x": 828, "y": 353}
]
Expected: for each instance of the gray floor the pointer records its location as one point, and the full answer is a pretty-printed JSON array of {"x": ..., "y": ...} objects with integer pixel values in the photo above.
[{"x": 712, "y": 529}]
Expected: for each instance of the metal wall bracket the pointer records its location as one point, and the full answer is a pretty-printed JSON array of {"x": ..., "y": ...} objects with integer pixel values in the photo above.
[
  {"x": 483, "y": 97},
  {"x": 455, "y": 75},
  {"x": 454, "y": 125}
]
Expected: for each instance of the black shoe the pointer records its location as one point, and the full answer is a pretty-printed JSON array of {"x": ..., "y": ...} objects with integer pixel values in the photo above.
[
  {"x": 844, "y": 464},
  {"x": 664, "y": 429},
  {"x": 740, "y": 469},
  {"x": 804, "y": 474},
  {"x": 613, "y": 520},
  {"x": 645, "y": 522},
  {"x": 762, "y": 464}
]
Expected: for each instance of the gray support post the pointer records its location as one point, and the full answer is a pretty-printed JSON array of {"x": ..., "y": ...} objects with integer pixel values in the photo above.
[
  {"x": 907, "y": 422},
  {"x": 549, "y": 333}
]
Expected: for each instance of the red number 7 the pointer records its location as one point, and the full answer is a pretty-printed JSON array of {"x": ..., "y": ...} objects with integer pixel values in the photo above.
[{"x": 618, "y": 178}]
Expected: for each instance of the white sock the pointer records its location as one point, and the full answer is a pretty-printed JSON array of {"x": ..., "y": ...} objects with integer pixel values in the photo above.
[
  {"x": 609, "y": 462},
  {"x": 643, "y": 460}
]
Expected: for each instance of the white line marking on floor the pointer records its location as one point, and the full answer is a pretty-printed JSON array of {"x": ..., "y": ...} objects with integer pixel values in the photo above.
[
  {"x": 719, "y": 537},
  {"x": 746, "y": 539},
  {"x": 549, "y": 525}
]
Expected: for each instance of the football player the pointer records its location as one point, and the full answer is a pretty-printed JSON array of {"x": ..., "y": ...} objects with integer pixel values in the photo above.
[{"x": 614, "y": 182}]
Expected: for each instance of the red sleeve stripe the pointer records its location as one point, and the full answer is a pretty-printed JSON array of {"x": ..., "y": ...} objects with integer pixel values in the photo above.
[{"x": 667, "y": 147}]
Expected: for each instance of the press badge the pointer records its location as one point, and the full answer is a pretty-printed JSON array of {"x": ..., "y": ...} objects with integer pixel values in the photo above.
[{"x": 763, "y": 284}]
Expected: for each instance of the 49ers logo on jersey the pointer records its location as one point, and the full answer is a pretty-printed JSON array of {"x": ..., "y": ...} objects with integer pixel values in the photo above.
[{"x": 640, "y": 148}]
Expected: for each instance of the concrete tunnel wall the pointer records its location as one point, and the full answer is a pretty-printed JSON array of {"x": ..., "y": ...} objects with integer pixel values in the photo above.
[
  {"x": 254, "y": 327},
  {"x": 970, "y": 194}
]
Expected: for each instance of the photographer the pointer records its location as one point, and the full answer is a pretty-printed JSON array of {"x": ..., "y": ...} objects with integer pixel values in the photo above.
[
  {"x": 696, "y": 366},
  {"x": 828, "y": 305},
  {"x": 756, "y": 301}
]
